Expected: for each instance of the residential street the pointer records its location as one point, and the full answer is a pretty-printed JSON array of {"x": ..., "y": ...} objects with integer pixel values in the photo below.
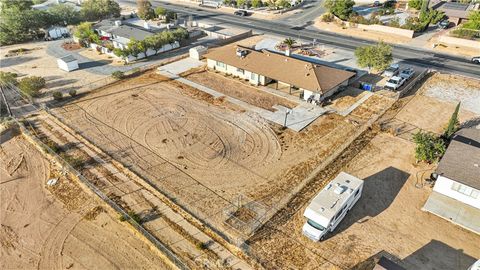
[{"x": 408, "y": 55}]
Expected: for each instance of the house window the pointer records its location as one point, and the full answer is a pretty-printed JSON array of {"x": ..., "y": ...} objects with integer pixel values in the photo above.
[
  {"x": 239, "y": 70},
  {"x": 465, "y": 190},
  {"x": 220, "y": 64}
]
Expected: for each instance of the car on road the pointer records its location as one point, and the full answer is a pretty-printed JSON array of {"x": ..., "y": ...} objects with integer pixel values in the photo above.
[
  {"x": 241, "y": 13},
  {"x": 407, "y": 73},
  {"x": 391, "y": 71},
  {"x": 476, "y": 60},
  {"x": 395, "y": 82}
]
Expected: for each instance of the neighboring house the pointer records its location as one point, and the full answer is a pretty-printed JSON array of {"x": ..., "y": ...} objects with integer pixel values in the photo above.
[
  {"x": 264, "y": 67},
  {"x": 67, "y": 63},
  {"x": 456, "y": 12},
  {"x": 456, "y": 194},
  {"x": 121, "y": 32}
]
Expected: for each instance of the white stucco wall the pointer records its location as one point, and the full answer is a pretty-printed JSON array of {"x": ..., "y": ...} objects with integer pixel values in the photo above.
[
  {"x": 443, "y": 185},
  {"x": 247, "y": 75}
]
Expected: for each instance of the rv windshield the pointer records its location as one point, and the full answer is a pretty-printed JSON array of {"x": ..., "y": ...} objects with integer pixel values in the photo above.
[{"x": 315, "y": 225}]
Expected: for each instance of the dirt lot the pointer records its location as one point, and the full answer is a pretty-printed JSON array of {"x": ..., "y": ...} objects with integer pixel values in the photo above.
[
  {"x": 37, "y": 62},
  {"x": 197, "y": 149},
  {"x": 234, "y": 88},
  {"x": 386, "y": 220},
  {"x": 59, "y": 227},
  {"x": 433, "y": 106}
]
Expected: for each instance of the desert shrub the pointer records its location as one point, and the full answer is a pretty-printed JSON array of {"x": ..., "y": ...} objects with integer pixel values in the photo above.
[
  {"x": 57, "y": 95},
  {"x": 118, "y": 75},
  {"x": 31, "y": 85},
  {"x": 429, "y": 147},
  {"x": 395, "y": 22},
  {"x": 8, "y": 78},
  {"x": 75, "y": 162},
  {"x": 327, "y": 17},
  {"x": 465, "y": 33},
  {"x": 72, "y": 92},
  {"x": 201, "y": 246},
  {"x": 49, "y": 144},
  {"x": 135, "y": 217}
]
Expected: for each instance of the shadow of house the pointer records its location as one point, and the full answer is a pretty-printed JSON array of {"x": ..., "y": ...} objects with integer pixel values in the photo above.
[
  {"x": 435, "y": 255},
  {"x": 438, "y": 255},
  {"x": 379, "y": 191}
]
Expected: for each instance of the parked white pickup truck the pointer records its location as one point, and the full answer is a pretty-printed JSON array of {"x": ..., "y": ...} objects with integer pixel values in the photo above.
[{"x": 395, "y": 82}]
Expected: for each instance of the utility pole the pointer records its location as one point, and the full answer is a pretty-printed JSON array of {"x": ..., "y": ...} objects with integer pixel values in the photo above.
[{"x": 286, "y": 114}]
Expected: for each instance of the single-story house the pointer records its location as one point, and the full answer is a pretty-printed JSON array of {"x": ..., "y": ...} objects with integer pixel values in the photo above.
[
  {"x": 67, "y": 63},
  {"x": 456, "y": 194},
  {"x": 455, "y": 11},
  {"x": 121, "y": 32},
  {"x": 262, "y": 67}
]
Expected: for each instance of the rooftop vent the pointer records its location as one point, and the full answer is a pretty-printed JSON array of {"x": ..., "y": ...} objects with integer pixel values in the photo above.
[
  {"x": 241, "y": 52},
  {"x": 340, "y": 189}
]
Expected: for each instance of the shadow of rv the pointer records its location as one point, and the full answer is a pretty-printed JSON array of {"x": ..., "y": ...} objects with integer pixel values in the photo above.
[{"x": 379, "y": 191}]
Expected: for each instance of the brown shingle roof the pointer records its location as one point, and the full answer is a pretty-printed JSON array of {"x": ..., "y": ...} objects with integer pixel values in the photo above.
[
  {"x": 461, "y": 161},
  {"x": 283, "y": 68}
]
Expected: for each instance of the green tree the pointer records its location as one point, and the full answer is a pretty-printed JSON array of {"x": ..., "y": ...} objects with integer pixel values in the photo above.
[
  {"x": 21, "y": 5},
  {"x": 473, "y": 20},
  {"x": 429, "y": 147},
  {"x": 122, "y": 54},
  {"x": 415, "y": 4},
  {"x": 282, "y": 4},
  {"x": 240, "y": 3},
  {"x": 31, "y": 85},
  {"x": 160, "y": 11},
  {"x": 341, "y": 8},
  {"x": 180, "y": 34},
  {"x": 99, "y": 9},
  {"x": 257, "y": 3},
  {"x": 289, "y": 42},
  {"x": 64, "y": 14},
  {"x": 17, "y": 25},
  {"x": 453, "y": 124},
  {"x": 377, "y": 57},
  {"x": 134, "y": 47},
  {"x": 145, "y": 10}
]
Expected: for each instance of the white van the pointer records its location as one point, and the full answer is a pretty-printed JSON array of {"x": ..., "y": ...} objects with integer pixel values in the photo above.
[{"x": 331, "y": 205}]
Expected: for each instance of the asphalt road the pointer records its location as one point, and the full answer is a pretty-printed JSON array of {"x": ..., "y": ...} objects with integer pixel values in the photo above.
[{"x": 407, "y": 55}]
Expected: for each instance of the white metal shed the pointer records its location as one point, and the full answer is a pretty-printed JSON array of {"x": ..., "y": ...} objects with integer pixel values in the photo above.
[
  {"x": 197, "y": 52},
  {"x": 67, "y": 63}
]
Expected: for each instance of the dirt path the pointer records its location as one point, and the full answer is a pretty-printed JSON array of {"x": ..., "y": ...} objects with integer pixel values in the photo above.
[
  {"x": 188, "y": 242},
  {"x": 39, "y": 223}
]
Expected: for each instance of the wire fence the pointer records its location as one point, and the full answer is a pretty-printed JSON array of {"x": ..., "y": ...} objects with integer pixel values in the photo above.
[{"x": 68, "y": 167}]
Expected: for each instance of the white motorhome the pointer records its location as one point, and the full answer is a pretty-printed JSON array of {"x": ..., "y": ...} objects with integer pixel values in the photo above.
[{"x": 331, "y": 205}]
